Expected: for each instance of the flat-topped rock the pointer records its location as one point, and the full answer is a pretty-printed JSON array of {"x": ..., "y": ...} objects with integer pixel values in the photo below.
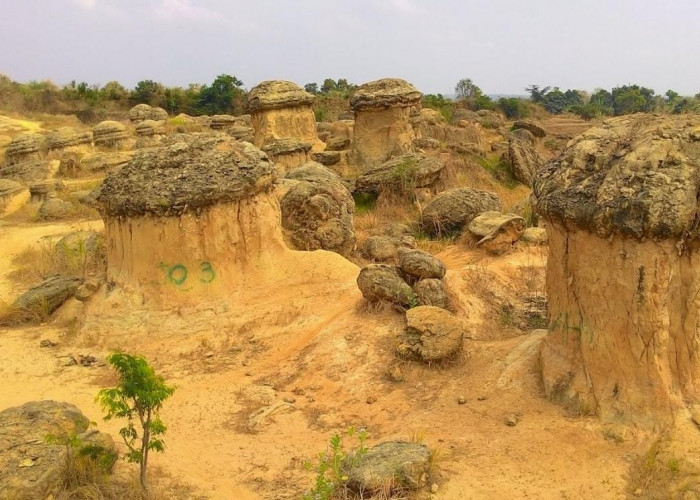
[
  {"x": 24, "y": 147},
  {"x": 65, "y": 137},
  {"x": 109, "y": 133},
  {"x": 385, "y": 93},
  {"x": 149, "y": 128},
  {"x": 186, "y": 176},
  {"x": 275, "y": 94},
  {"x": 637, "y": 176},
  {"x": 403, "y": 173}
]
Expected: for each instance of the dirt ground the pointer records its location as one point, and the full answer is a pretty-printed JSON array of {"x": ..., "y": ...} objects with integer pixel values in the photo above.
[{"x": 254, "y": 402}]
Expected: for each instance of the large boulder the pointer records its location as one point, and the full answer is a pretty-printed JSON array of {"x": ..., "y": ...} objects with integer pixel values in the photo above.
[
  {"x": 418, "y": 265},
  {"x": 623, "y": 273},
  {"x": 319, "y": 215},
  {"x": 110, "y": 134},
  {"x": 382, "y": 283},
  {"x": 390, "y": 467},
  {"x": 532, "y": 126},
  {"x": 431, "y": 334},
  {"x": 142, "y": 112},
  {"x": 452, "y": 210},
  {"x": 401, "y": 174},
  {"x": 384, "y": 248},
  {"x": 278, "y": 94},
  {"x": 33, "y": 450},
  {"x": 431, "y": 292},
  {"x": 496, "y": 232},
  {"x": 524, "y": 159},
  {"x": 43, "y": 299},
  {"x": 56, "y": 208},
  {"x": 66, "y": 137},
  {"x": 25, "y": 147}
]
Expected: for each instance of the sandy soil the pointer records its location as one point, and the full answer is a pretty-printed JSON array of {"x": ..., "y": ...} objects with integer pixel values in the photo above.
[{"x": 314, "y": 360}]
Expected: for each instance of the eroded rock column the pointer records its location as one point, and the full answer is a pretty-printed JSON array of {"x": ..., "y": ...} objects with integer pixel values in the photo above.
[
  {"x": 623, "y": 275},
  {"x": 382, "y": 126}
]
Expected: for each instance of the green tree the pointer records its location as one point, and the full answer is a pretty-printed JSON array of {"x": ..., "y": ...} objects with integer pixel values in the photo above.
[
  {"x": 536, "y": 93},
  {"x": 328, "y": 85},
  {"x": 147, "y": 92},
  {"x": 218, "y": 98},
  {"x": 138, "y": 397},
  {"x": 513, "y": 108},
  {"x": 467, "y": 89},
  {"x": 311, "y": 88}
]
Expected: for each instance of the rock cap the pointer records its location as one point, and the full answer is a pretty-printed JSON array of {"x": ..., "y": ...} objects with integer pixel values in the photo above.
[
  {"x": 385, "y": 93},
  {"x": 274, "y": 94}
]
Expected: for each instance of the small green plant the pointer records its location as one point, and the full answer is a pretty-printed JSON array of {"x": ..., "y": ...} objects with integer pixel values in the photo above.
[
  {"x": 334, "y": 464},
  {"x": 138, "y": 397}
]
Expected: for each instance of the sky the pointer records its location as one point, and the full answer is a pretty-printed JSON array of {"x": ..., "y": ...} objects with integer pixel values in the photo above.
[{"x": 502, "y": 45}]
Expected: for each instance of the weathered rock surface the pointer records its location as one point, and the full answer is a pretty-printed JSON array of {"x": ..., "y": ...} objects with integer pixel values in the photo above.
[
  {"x": 431, "y": 334},
  {"x": 421, "y": 265},
  {"x": 382, "y": 127},
  {"x": 535, "y": 236},
  {"x": 46, "y": 297},
  {"x": 276, "y": 94},
  {"x": 386, "y": 248},
  {"x": 68, "y": 137},
  {"x": 186, "y": 176},
  {"x": 401, "y": 174},
  {"x": 496, "y": 232},
  {"x": 319, "y": 215},
  {"x": 142, "y": 112},
  {"x": 55, "y": 208},
  {"x": 524, "y": 159},
  {"x": 148, "y": 128},
  {"x": 326, "y": 157},
  {"x": 105, "y": 162},
  {"x": 84, "y": 245},
  {"x": 430, "y": 124},
  {"x": 314, "y": 172},
  {"x": 532, "y": 126},
  {"x": 389, "y": 467},
  {"x": 26, "y": 171},
  {"x": 109, "y": 134},
  {"x": 622, "y": 274},
  {"x": 382, "y": 283},
  {"x": 41, "y": 190},
  {"x": 431, "y": 292},
  {"x": 9, "y": 191},
  {"x": 222, "y": 122},
  {"x": 25, "y": 147},
  {"x": 452, "y": 210},
  {"x": 32, "y": 468}
]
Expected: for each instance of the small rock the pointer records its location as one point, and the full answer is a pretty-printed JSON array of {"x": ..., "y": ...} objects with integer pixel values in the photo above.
[
  {"x": 461, "y": 400},
  {"x": 512, "y": 419},
  {"x": 396, "y": 373},
  {"x": 638, "y": 492},
  {"x": 289, "y": 399},
  {"x": 433, "y": 488},
  {"x": 210, "y": 354},
  {"x": 86, "y": 360},
  {"x": 48, "y": 343},
  {"x": 371, "y": 400}
]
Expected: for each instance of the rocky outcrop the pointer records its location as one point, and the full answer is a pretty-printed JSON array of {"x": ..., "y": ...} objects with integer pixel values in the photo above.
[
  {"x": 110, "y": 134},
  {"x": 104, "y": 162},
  {"x": 382, "y": 126},
  {"x": 402, "y": 174},
  {"x": 523, "y": 158},
  {"x": 25, "y": 148},
  {"x": 452, "y": 210},
  {"x": 431, "y": 334},
  {"x": 382, "y": 283},
  {"x": 496, "y": 232},
  {"x": 283, "y": 121},
  {"x": 33, "y": 451},
  {"x": 43, "y": 299},
  {"x": 149, "y": 128},
  {"x": 430, "y": 124},
  {"x": 390, "y": 467},
  {"x": 67, "y": 137},
  {"x": 142, "y": 112},
  {"x": 532, "y": 126},
  {"x": 622, "y": 274},
  {"x": 317, "y": 213},
  {"x": 27, "y": 171}
]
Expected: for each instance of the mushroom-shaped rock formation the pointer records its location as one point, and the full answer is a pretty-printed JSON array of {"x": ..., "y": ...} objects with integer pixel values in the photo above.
[
  {"x": 451, "y": 210},
  {"x": 142, "y": 112},
  {"x": 382, "y": 127},
  {"x": 110, "y": 134},
  {"x": 25, "y": 147},
  {"x": 148, "y": 128},
  {"x": 288, "y": 153},
  {"x": 197, "y": 223},
  {"x": 281, "y": 114},
  {"x": 402, "y": 174},
  {"x": 26, "y": 171},
  {"x": 623, "y": 273},
  {"x": 66, "y": 137}
]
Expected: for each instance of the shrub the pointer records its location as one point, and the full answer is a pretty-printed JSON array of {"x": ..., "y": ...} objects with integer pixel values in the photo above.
[{"x": 513, "y": 108}]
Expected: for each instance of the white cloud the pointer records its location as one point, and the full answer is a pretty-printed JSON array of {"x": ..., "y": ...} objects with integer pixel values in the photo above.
[
  {"x": 185, "y": 10},
  {"x": 86, "y": 4}
]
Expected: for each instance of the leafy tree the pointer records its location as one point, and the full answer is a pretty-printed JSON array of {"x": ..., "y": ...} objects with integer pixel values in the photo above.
[
  {"x": 138, "y": 397},
  {"x": 467, "y": 89},
  {"x": 311, "y": 88},
  {"x": 147, "y": 92},
  {"x": 513, "y": 108},
  {"x": 329, "y": 85},
  {"x": 484, "y": 102},
  {"x": 219, "y": 97},
  {"x": 113, "y": 91},
  {"x": 438, "y": 102},
  {"x": 536, "y": 93}
]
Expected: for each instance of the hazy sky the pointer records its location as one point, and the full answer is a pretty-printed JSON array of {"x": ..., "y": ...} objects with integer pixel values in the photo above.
[{"x": 503, "y": 45}]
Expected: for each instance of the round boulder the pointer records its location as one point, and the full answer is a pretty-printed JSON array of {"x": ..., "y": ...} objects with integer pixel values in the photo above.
[
  {"x": 451, "y": 210},
  {"x": 431, "y": 292},
  {"x": 421, "y": 265},
  {"x": 382, "y": 283},
  {"x": 389, "y": 467},
  {"x": 431, "y": 334}
]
